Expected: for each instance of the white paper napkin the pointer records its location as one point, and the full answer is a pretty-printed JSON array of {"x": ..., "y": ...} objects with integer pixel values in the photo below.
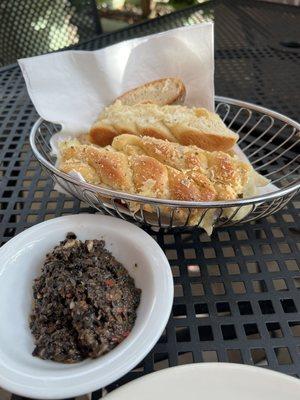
[{"x": 72, "y": 87}]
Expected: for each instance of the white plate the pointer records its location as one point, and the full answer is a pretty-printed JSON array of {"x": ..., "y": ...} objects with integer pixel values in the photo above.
[
  {"x": 211, "y": 381},
  {"x": 21, "y": 260}
]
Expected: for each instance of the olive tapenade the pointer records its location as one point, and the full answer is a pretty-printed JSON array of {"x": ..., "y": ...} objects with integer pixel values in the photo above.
[{"x": 84, "y": 302}]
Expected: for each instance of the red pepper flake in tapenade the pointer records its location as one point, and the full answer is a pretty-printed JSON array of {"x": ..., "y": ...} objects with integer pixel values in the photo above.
[{"x": 84, "y": 303}]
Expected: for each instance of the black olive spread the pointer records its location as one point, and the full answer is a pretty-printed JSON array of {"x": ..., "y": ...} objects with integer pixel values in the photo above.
[{"x": 84, "y": 302}]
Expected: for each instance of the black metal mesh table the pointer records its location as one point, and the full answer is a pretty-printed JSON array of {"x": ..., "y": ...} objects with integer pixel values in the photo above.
[
  {"x": 236, "y": 292},
  {"x": 30, "y": 28}
]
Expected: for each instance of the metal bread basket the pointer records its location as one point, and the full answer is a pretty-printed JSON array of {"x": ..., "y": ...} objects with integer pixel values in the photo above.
[{"x": 269, "y": 139}]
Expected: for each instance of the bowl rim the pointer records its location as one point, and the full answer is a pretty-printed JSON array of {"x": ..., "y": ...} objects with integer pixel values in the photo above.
[
  {"x": 175, "y": 203},
  {"x": 206, "y": 367},
  {"x": 158, "y": 317}
]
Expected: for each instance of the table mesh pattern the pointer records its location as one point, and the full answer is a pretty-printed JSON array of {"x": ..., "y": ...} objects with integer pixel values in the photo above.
[
  {"x": 30, "y": 28},
  {"x": 236, "y": 292}
]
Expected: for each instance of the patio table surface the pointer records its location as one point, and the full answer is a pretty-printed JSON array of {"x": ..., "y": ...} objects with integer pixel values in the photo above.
[{"x": 240, "y": 301}]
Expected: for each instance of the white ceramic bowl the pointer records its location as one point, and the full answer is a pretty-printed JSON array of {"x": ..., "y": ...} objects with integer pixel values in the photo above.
[
  {"x": 21, "y": 260},
  {"x": 213, "y": 381}
]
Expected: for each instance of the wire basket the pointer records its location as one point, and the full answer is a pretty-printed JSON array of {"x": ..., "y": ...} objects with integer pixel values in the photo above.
[{"x": 270, "y": 141}]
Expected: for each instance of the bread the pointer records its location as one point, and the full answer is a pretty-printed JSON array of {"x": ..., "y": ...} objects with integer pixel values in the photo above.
[
  {"x": 187, "y": 126},
  {"x": 226, "y": 176},
  {"x": 161, "y": 92},
  {"x": 135, "y": 173},
  {"x": 160, "y": 169}
]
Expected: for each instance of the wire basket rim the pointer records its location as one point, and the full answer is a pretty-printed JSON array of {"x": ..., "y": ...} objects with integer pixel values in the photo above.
[{"x": 175, "y": 203}]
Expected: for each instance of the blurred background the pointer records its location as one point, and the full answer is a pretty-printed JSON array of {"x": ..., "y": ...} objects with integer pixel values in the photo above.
[
  {"x": 32, "y": 27},
  {"x": 119, "y": 13}
]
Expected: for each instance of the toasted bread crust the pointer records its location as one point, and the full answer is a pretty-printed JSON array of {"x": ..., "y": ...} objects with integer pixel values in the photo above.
[
  {"x": 143, "y": 94},
  {"x": 102, "y": 135},
  {"x": 209, "y": 142}
]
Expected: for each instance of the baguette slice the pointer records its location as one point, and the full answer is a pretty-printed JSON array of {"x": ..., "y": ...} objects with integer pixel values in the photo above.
[
  {"x": 161, "y": 92},
  {"x": 175, "y": 123}
]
